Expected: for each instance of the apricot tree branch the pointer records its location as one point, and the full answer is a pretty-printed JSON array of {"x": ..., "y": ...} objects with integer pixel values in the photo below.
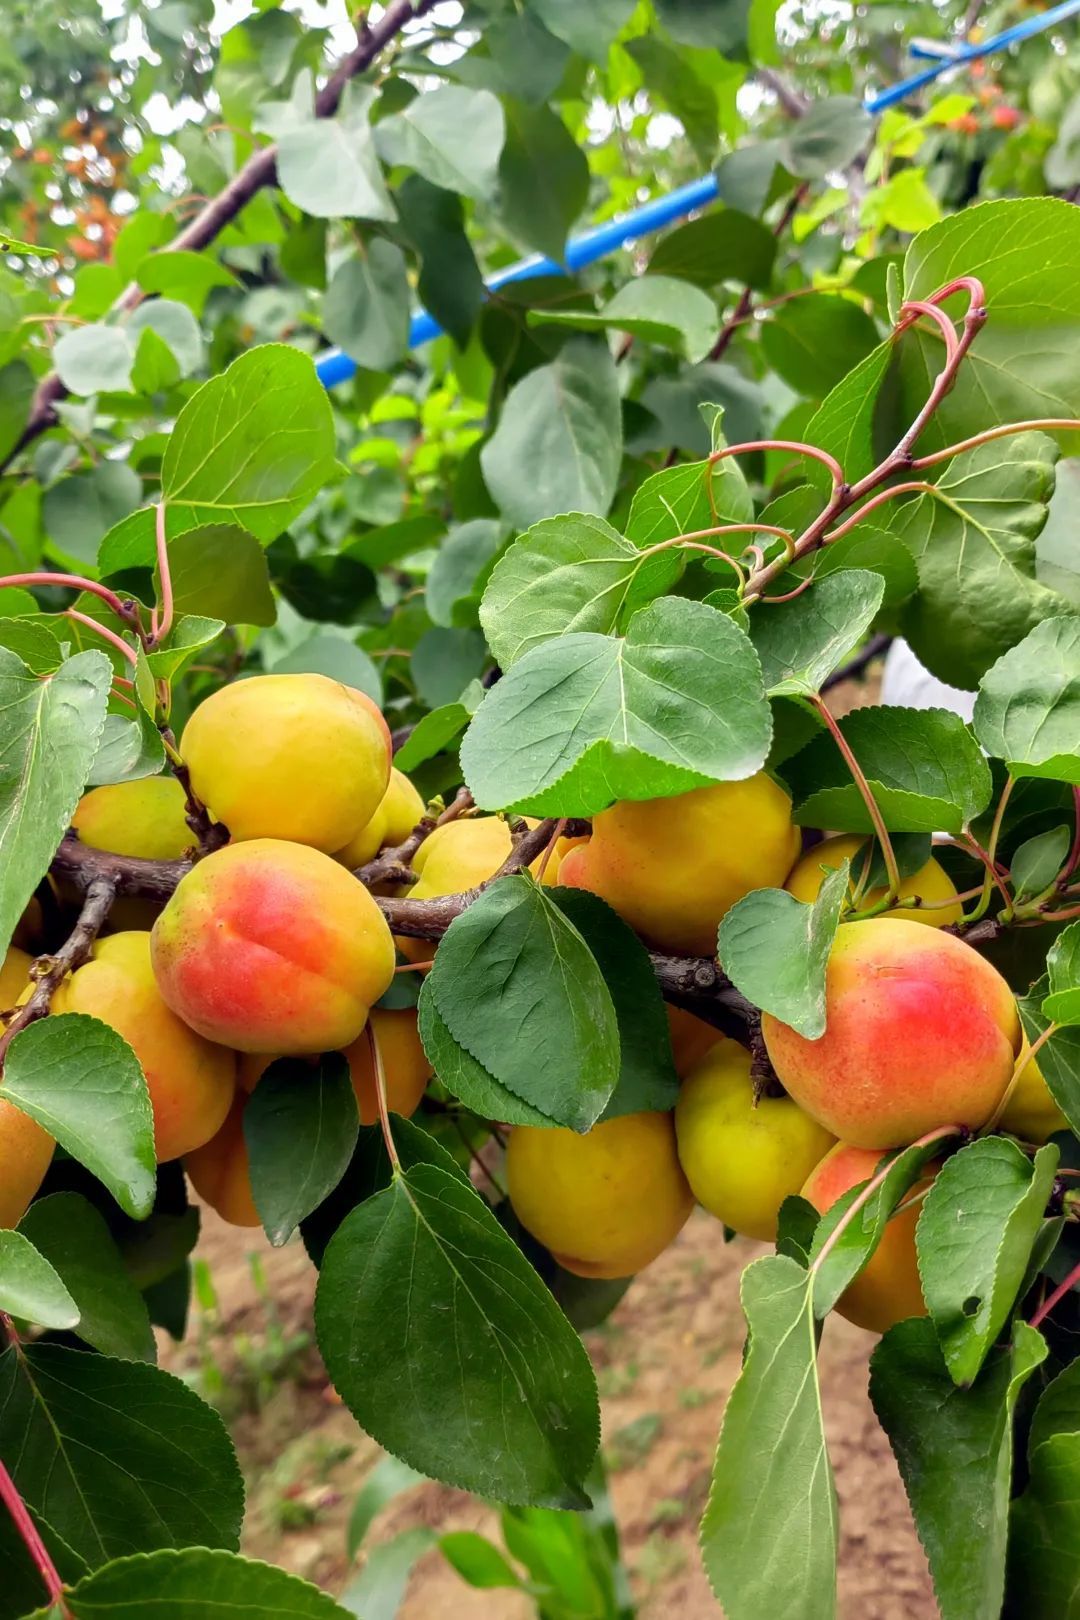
[
  {"x": 394, "y": 865},
  {"x": 260, "y": 170},
  {"x": 50, "y": 971}
]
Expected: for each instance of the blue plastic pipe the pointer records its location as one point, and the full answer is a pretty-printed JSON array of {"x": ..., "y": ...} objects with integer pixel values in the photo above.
[{"x": 334, "y": 367}]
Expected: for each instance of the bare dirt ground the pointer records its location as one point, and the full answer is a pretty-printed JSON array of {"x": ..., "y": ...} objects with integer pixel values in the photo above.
[{"x": 665, "y": 1361}]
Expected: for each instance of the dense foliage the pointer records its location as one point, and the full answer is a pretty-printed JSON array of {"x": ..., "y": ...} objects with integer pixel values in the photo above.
[{"x": 603, "y": 540}]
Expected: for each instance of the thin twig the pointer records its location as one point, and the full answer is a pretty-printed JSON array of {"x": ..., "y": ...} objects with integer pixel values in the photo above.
[
  {"x": 210, "y": 834},
  {"x": 1064, "y": 1287},
  {"x": 394, "y": 865},
  {"x": 875, "y": 648},
  {"x": 50, "y": 971}
]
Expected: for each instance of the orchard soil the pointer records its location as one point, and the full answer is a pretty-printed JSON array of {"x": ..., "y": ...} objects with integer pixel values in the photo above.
[{"x": 665, "y": 1360}]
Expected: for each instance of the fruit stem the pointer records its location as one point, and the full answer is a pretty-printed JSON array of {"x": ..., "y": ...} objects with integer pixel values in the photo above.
[
  {"x": 556, "y": 834},
  {"x": 1018, "y": 1068},
  {"x": 858, "y": 1203},
  {"x": 39, "y": 1553},
  {"x": 878, "y": 820},
  {"x": 1064, "y": 1287},
  {"x": 380, "y": 1096},
  {"x": 991, "y": 853}
]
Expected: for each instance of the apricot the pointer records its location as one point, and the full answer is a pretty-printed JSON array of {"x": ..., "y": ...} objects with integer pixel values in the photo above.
[
  {"x": 25, "y": 1154},
  {"x": 930, "y": 883},
  {"x": 742, "y": 1160},
  {"x": 144, "y": 818},
  {"x": 190, "y": 1080},
  {"x": 887, "y": 1290},
  {"x": 219, "y": 1169},
  {"x": 1031, "y": 1112},
  {"x": 269, "y": 946},
  {"x": 29, "y": 932},
  {"x": 606, "y": 1203},
  {"x": 920, "y": 1031},
  {"x": 672, "y": 867},
  {"x": 457, "y": 856},
  {"x": 405, "y": 1065},
  {"x": 399, "y": 810},
  {"x": 298, "y": 757},
  {"x": 14, "y": 976},
  {"x": 691, "y": 1038}
]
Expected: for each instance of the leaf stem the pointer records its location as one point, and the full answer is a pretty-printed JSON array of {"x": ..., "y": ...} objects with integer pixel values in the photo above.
[
  {"x": 1038, "y": 424},
  {"x": 74, "y": 582},
  {"x": 914, "y": 486},
  {"x": 878, "y": 820},
  {"x": 380, "y": 1096},
  {"x": 39, "y": 1553},
  {"x": 796, "y": 445},
  {"x": 160, "y": 627},
  {"x": 939, "y": 1135},
  {"x": 1064, "y": 1287},
  {"x": 105, "y": 633},
  {"x": 1026, "y": 1057}
]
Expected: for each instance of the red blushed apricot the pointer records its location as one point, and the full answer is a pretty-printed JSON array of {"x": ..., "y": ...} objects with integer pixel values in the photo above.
[
  {"x": 920, "y": 1031},
  {"x": 268, "y": 946},
  {"x": 887, "y": 1290},
  {"x": 219, "y": 1172}
]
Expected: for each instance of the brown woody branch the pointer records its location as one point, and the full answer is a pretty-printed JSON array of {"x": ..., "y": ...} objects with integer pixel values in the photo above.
[
  {"x": 260, "y": 170},
  {"x": 394, "y": 865},
  {"x": 52, "y": 970}
]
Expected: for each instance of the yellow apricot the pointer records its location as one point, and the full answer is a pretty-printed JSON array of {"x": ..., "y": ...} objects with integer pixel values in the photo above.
[
  {"x": 401, "y": 808},
  {"x": 25, "y": 1154},
  {"x": 930, "y": 883},
  {"x": 14, "y": 977},
  {"x": 29, "y": 932},
  {"x": 1031, "y": 1112},
  {"x": 296, "y": 757},
  {"x": 672, "y": 867},
  {"x": 606, "y": 1203},
  {"x": 405, "y": 1064},
  {"x": 219, "y": 1170},
  {"x": 743, "y": 1160},
  {"x": 190, "y": 1080},
  {"x": 144, "y": 818},
  {"x": 457, "y": 856}
]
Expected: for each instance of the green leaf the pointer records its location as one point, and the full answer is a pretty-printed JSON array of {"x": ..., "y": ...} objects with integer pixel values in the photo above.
[
  {"x": 219, "y": 572},
  {"x": 862, "y": 548},
  {"x": 433, "y": 733},
  {"x": 923, "y": 765},
  {"x": 568, "y": 573},
  {"x": 520, "y": 990},
  {"x": 118, "y": 1455},
  {"x": 588, "y": 30},
  {"x": 78, "y": 511},
  {"x": 801, "y": 642},
  {"x": 1059, "y": 1057},
  {"x": 22, "y": 1579},
  {"x": 976, "y": 1230},
  {"x": 328, "y": 167},
  {"x": 30, "y": 1287},
  {"x": 813, "y": 342},
  {"x": 828, "y": 136},
  {"x": 1025, "y": 252},
  {"x": 366, "y": 308},
  {"x": 771, "y": 1464},
  {"x": 73, "y": 1237},
  {"x": 845, "y": 422},
  {"x": 543, "y": 179},
  {"x": 465, "y": 1078},
  {"x": 1042, "y": 1570},
  {"x": 445, "y": 662},
  {"x": 659, "y": 309},
  {"x": 129, "y": 749},
  {"x": 671, "y": 78},
  {"x": 175, "y": 326},
  {"x": 82, "y": 1082},
  {"x": 94, "y": 359},
  {"x": 1028, "y": 708},
  {"x": 188, "y": 636},
  {"x": 197, "y": 1583},
  {"x": 585, "y": 719},
  {"x": 647, "y": 1079},
  {"x": 688, "y": 498},
  {"x": 450, "y": 283},
  {"x": 722, "y": 245},
  {"x": 516, "y": 57},
  {"x": 488, "y": 1387},
  {"x": 558, "y": 444},
  {"x": 389, "y": 1478},
  {"x": 189, "y": 277},
  {"x": 378, "y": 1591},
  {"x": 253, "y": 446},
  {"x": 49, "y": 732},
  {"x": 462, "y": 565},
  {"x": 450, "y": 135},
  {"x": 336, "y": 657},
  {"x": 477, "y": 1560},
  {"x": 1037, "y": 861},
  {"x": 974, "y": 547},
  {"x": 775, "y": 949},
  {"x": 300, "y": 1130},
  {"x": 961, "y": 1512},
  {"x": 1062, "y": 1005}
]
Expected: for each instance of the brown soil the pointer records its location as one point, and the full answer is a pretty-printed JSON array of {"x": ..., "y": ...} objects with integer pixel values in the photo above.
[{"x": 665, "y": 1361}]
